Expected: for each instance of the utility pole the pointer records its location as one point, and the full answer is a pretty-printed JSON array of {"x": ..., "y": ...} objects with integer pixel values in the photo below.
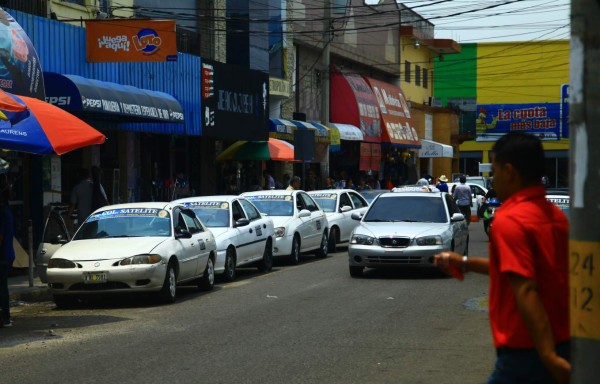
[
  {"x": 325, "y": 76},
  {"x": 584, "y": 250}
]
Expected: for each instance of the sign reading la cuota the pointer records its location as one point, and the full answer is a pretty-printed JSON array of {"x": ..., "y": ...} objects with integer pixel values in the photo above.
[
  {"x": 130, "y": 40},
  {"x": 20, "y": 69}
]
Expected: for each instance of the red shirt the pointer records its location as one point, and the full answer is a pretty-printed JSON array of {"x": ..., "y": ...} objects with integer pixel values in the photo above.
[{"x": 529, "y": 237}]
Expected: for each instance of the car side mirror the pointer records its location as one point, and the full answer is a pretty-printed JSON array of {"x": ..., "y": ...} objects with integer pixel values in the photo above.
[
  {"x": 304, "y": 213},
  {"x": 59, "y": 239},
  {"x": 457, "y": 217},
  {"x": 182, "y": 234},
  {"x": 242, "y": 222},
  {"x": 357, "y": 216},
  {"x": 345, "y": 208}
]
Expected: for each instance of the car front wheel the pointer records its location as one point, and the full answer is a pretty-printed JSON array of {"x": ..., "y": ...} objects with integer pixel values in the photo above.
[
  {"x": 207, "y": 281},
  {"x": 266, "y": 264},
  {"x": 332, "y": 246},
  {"x": 169, "y": 289},
  {"x": 230, "y": 261},
  {"x": 295, "y": 256}
]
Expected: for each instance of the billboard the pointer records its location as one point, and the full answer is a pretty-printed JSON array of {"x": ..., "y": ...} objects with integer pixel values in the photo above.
[
  {"x": 130, "y": 40},
  {"x": 20, "y": 69},
  {"x": 540, "y": 119}
]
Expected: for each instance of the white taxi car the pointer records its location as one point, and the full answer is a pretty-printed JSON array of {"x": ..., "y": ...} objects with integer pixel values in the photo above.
[
  {"x": 339, "y": 205},
  {"x": 300, "y": 225},
  {"x": 243, "y": 235},
  {"x": 137, "y": 247},
  {"x": 406, "y": 227}
]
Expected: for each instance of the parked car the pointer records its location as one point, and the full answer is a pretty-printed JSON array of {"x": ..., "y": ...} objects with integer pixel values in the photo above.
[
  {"x": 371, "y": 194},
  {"x": 339, "y": 205},
  {"x": 561, "y": 200},
  {"x": 243, "y": 235},
  {"x": 406, "y": 228},
  {"x": 137, "y": 247},
  {"x": 300, "y": 224}
]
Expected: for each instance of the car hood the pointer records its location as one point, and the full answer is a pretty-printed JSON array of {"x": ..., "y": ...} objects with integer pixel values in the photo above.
[
  {"x": 281, "y": 221},
  {"x": 401, "y": 229},
  {"x": 107, "y": 249}
]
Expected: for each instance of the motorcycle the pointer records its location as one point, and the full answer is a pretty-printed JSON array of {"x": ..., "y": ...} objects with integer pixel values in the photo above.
[{"x": 488, "y": 214}]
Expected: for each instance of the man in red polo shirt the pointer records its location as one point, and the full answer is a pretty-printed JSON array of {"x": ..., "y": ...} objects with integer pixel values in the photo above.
[{"x": 528, "y": 269}]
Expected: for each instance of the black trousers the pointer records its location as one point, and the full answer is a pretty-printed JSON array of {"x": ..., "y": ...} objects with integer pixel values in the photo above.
[{"x": 4, "y": 297}]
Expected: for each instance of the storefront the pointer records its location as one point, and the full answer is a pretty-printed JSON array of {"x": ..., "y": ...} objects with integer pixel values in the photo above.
[
  {"x": 399, "y": 137},
  {"x": 354, "y": 112}
]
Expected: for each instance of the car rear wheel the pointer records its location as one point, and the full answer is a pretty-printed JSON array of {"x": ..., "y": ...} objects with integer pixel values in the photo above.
[
  {"x": 207, "y": 281},
  {"x": 356, "y": 271},
  {"x": 266, "y": 264},
  {"x": 321, "y": 252},
  {"x": 169, "y": 289},
  {"x": 295, "y": 256},
  {"x": 333, "y": 236},
  {"x": 230, "y": 260},
  {"x": 466, "y": 253}
]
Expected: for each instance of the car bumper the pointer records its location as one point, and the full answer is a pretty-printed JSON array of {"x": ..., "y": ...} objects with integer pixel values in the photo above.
[
  {"x": 220, "y": 262},
  {"x": 137, "y": 278},
  {"x": 377, "y": 257},
  {"x": 283, "y": 246}
]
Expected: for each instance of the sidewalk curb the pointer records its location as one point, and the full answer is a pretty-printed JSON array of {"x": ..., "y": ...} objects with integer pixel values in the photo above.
[{"x": 31, "y": 294}]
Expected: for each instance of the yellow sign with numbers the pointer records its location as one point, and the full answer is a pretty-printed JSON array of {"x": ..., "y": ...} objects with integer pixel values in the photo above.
[{"x": 584, "y": 282}]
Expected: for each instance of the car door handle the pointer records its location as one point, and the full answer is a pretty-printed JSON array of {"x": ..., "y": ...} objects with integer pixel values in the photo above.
[
  {"x": 43, "y": 252},
  {"x": 193, "y": 245},
  {"x": 264, "y": 225},
  {"x": 250, "y": 230}
]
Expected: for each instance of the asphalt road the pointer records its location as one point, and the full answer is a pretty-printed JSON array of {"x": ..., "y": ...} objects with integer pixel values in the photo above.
[{"x": 310, "y": 323}]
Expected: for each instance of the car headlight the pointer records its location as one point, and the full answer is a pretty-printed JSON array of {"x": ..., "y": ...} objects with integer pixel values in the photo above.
[
  {"x": 61, "y": 263},
  {"x": 429, "y": 240},
  {"x": 141, "y": 259},
  {"x": 279, "y": 231},
  {"x": 363, "y": 240}
]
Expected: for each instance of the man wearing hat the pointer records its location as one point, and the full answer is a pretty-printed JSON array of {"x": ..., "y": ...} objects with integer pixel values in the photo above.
[{"x": 441, "y": 185}]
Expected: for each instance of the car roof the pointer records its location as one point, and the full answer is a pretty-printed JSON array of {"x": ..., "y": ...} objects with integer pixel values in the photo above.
[
  {"x": 325, "y": 191},
  {"x": 227, "y": 198},
  {"x": 148, "y": 204},
  {"x": 411, "y": 191},
  {"x": 272, "y": 192}
]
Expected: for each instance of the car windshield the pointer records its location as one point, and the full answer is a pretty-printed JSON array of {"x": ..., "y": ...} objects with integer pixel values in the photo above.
[
  {"x": 370, "y": 195},
  {"x": 126, "y": 222},
  {"x": 326, "y": 201},
  {"x": 400, "y": 208},
  {"x": 273, "y": 205},
  {"x": 212, "y": 213}
]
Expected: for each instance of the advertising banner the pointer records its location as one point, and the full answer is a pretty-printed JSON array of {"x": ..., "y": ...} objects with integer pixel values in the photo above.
[
  {"x": 20, "y": 69},
  {"x": 540, "y": 119},
  {"x": 130, "y": 40},
  {"x": 395, "y": 114},
  {"x": 235, "y": 102}
]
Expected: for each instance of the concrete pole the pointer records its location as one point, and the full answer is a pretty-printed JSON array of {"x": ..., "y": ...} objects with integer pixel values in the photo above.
[
  {"x": 584, "y": 252},
  {"x": 325, "y": 77}
]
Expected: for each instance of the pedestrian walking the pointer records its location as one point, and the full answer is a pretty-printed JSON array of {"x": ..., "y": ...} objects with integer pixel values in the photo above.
[
  {"x": 99, "y": 198},
  {"x": 441, "y": 185},
  {"x": 7, "y": 252},
  {"x": 528, "y": 269},
  {"x": 462, "y": 196},
  {"x": 269, "y": 181}
]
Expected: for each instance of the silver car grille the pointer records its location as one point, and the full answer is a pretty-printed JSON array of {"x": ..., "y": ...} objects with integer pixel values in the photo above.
[
  {"x": 394, "y": 259},
  {"x": 394, "y": 242}
]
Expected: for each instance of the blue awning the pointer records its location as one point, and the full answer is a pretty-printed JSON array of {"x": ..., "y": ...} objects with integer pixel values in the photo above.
[
  {"x": 105, "y": 99},
  {"x": 284, "y": 129}
]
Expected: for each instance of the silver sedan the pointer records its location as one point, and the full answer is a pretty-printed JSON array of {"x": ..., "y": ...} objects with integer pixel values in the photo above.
[{"x": 406, "y": 228}]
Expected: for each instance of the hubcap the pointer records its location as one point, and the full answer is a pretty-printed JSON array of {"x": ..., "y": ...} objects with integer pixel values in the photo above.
[
  {"x": 230, "y": 266},
  {"x": 211, "y": 272}
]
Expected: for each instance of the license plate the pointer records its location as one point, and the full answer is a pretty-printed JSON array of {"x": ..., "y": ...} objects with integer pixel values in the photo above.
[{"x": 94, "y": 277}]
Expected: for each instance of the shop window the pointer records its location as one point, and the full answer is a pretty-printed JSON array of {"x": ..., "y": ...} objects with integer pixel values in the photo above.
[
  {"x": 407, "y": 71},
  {"x": 425, "y": 77},
  {"x": 417, "y": 75}
]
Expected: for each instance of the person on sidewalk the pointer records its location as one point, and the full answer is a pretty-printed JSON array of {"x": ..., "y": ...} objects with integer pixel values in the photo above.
[
  {"x": 81, "y": 199},
  {"x": 295, "y": 184},
  {"x": 462, "y": 196},
  {"x": 7, "y": 252},
  {"x": 441, "y": 185},
  {"x": 528, "y": 269}
]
